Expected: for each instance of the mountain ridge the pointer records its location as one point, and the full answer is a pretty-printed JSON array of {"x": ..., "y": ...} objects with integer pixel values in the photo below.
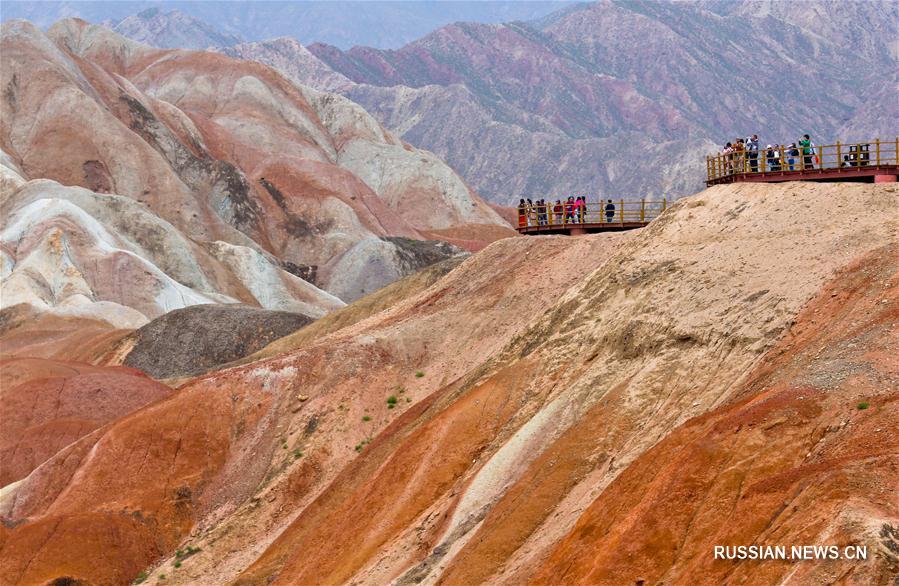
[{"x": 604, "y": 84}]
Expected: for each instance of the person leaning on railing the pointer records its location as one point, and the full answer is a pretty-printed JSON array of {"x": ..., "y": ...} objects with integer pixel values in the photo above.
[
  {"x": 752, "y": 150},
  {"x": 728, "y": 153}
]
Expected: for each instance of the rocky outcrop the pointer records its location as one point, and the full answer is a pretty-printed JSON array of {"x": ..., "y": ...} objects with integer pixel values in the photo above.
[
  {"x": 492, "y": 428},
  {"x": 375, "y": 262},
  {"x": 195, "y": 339}
]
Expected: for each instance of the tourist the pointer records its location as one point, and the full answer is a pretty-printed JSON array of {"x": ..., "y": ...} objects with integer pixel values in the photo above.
[
  {"x": 531, "y": 213},
  {"x": 557, "y": 209},
  {"x": 569, "y": 210},
  {"x": 772, "y": 159},
  {"x": 793, "y": 154},
  {"x": 728, "y": 158},
  {"x": 541, "y": 212},
  {"x": 739, "y": 156},
  {"x": 581, "y": 208},
  {"x": 808, "y": 152},
  {"x": 522, "y": 214},
  {"x": 752, "y": 148},
  {"x": 610, "y": 211}
]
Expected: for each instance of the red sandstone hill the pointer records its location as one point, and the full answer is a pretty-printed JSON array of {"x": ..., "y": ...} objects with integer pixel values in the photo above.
[
  {"x": 595, "y": 410},
  {"x": 136, "y": 181}
]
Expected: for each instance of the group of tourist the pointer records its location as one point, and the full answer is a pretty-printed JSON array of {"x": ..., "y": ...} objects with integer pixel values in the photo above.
[
  {"x": 546, "y": 213},
  {"x": 742, "y": 155}
]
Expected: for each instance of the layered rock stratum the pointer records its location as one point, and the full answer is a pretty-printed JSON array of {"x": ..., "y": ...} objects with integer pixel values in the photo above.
[
  {"x": 594, "y": 410},
  {"x": 136, "y": 181}
]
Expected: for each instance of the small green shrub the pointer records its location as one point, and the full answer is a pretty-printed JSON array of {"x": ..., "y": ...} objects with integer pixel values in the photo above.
[
  {"x": 297, "y": 454},
  {"x": 863, "y": 405},
  {"x": 141, "y": 578},
  {"x": 408, "y": 400},
  {"x": 358, "y": 447},
  {"x": 366, "y": 418},
  {"x": 162, "y": 576},
  {"x": 178, "y": 564},
  {"x": 391, "y": 400},
  {"x": 419, "y": 374}
]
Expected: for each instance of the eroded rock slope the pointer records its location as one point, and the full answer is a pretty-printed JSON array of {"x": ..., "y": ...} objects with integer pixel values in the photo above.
[
  {"x": 585, "y": 407},
  {"x": 136, "y": 181}
]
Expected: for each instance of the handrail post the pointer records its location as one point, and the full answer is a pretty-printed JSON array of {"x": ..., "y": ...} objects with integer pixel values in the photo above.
[
  {"x": 877, "y": 144},
  {"x": 663, "y": 204},
  {"x": 642, "y": 210},
  {"x": 839, "y": 156},
  {"x": 622, "y": 211}
]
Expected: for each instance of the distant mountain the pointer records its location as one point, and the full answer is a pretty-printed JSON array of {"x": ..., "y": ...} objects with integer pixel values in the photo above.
[
  {"x": 387, "y": 24},
  {"x": 172, "y": 29},
  {"x": 616, "y": 96}
]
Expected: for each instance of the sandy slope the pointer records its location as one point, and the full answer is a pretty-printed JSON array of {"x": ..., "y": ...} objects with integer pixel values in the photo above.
[{"x": 557, "y": 374}]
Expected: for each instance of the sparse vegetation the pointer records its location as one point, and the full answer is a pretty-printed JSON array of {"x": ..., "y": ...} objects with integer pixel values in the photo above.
[
  {"x": 297, "y": 454},
  {"x": 392, "y": 401},
  {"x": 284, "y": 446},
  {"x": 162, "y": 576},
  {"x": 358, "y": 447},
  {"x": 863, "y": 405},
  {"x": 408, "y": 399},
  {"x": 419, "y": 374},
  {"x": 366, "y": 418},
  {"x": 141, "y": 578},
  {"x": 181, "y": 554}
]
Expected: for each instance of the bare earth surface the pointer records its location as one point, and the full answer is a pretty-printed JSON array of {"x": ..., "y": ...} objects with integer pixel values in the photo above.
[{"x": 596, "y": 410}]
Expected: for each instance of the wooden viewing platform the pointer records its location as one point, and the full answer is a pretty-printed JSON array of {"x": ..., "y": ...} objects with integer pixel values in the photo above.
[
  {"x": 870, "y": 162},
  {"x": 627, "y": 214}
]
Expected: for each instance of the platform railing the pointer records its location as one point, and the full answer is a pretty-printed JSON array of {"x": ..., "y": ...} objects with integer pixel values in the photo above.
[
  {"x": 621, "y": 211},
  {"x": 822, "y": 157}
]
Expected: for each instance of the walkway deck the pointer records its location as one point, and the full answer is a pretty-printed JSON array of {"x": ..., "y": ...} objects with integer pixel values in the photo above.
[
  {"x": 597, "y": 216},
  {"x": 870, "y": 162},
  {"x": 578, "y": 229}
]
